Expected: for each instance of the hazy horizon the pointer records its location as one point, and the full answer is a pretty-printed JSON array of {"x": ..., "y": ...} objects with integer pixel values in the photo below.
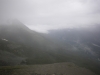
[{"x": 44, "y": 15}]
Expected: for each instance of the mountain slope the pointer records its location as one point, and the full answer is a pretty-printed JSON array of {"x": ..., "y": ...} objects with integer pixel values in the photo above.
[
  {"x": 20, "y": 45},
  {"x": 81, "y": 39},
  {"x": 84, "y": 42},
  {"x": 33, "y": 47}
]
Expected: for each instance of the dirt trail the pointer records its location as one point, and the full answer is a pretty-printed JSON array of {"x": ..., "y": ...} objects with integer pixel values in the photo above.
[{"x": 49, "y": 69}]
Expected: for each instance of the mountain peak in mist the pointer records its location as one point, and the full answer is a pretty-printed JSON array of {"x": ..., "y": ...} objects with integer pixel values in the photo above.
[
  {"x": 16, "y": 21},
  {"x": 18, "y": 24}
]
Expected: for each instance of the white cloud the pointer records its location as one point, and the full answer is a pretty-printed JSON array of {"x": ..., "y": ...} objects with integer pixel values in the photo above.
[{"x": 43, "y": 15}]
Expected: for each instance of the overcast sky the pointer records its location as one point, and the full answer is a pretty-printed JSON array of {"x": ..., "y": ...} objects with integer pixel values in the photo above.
[{"x": 43, "y": 15}]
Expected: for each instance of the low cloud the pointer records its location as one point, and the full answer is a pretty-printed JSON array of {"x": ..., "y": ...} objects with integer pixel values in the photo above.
[{"x": 44, "y": 15}]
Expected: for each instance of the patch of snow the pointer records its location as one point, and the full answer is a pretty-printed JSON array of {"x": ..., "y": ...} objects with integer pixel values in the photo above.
[
  {"x": 86, "y": 48},
  {"x": 98, "y": 59},
  {"x": 75, "y": 48},
  {"x": 95, "y": 45},
  {"x": 5, "y": 39}
]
